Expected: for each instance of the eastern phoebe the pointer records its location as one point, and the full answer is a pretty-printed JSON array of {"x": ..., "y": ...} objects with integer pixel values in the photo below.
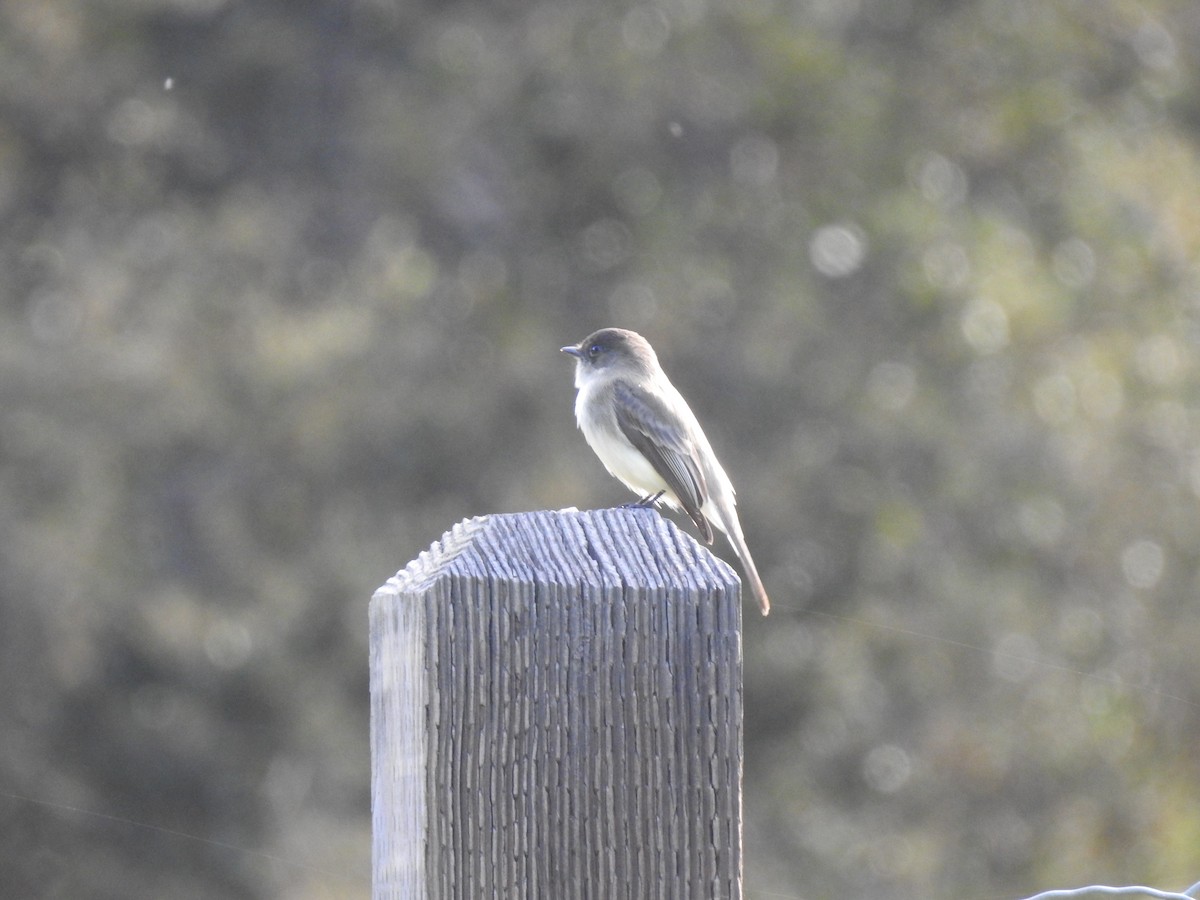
[{"x": 648, "y": 437}]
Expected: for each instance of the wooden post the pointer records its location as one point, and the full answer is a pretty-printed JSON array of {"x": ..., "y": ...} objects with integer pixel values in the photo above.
[{"x": 556, "y": 711}]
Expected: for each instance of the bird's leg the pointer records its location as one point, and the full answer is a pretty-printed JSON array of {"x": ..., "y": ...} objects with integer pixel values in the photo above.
[{"x": 646, "y": 502}]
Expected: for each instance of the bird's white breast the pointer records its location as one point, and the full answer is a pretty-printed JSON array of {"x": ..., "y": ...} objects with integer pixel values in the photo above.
[{"x": 625, "y": 462}]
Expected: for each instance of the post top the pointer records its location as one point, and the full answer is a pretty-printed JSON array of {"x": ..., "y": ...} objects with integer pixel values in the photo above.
[{"x": 603, "y": 548}]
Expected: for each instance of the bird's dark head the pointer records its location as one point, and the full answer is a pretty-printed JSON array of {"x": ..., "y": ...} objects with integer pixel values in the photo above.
[{"x": 614, "y": 349}]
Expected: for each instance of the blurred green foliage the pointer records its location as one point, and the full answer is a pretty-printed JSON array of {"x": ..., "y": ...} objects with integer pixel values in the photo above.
[{"x": 283, "y": 289}]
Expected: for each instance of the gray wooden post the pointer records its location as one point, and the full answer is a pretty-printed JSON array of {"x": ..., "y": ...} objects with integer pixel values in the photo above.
[{"x": 556, "y": 712}]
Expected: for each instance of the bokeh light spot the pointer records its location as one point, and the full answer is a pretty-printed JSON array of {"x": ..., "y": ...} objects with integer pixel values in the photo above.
[{"x": 838, "y": 250}]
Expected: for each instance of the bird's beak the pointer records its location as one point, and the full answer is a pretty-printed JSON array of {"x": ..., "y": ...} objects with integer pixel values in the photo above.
[{"x": 572, "y": 351}]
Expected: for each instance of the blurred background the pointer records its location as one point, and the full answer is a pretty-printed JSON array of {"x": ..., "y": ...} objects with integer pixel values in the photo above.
[{"x": 283, "y": 289}]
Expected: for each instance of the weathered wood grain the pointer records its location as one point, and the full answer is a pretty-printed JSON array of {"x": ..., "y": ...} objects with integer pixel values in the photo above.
[{"x": 556, "y": 711}]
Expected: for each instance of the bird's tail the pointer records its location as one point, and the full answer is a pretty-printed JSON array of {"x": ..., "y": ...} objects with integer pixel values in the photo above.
[{"x": 743, "y": 554}]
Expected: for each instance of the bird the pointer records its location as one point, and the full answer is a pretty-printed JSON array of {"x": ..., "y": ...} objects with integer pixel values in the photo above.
[{"x": 648, "y": 438}]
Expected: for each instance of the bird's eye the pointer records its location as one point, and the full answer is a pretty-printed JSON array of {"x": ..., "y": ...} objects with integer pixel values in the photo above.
[{"x": 595, "y": 350}]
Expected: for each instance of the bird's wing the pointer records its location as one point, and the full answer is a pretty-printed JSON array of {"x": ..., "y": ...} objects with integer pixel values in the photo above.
[{"x": 645, "y": 420}]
